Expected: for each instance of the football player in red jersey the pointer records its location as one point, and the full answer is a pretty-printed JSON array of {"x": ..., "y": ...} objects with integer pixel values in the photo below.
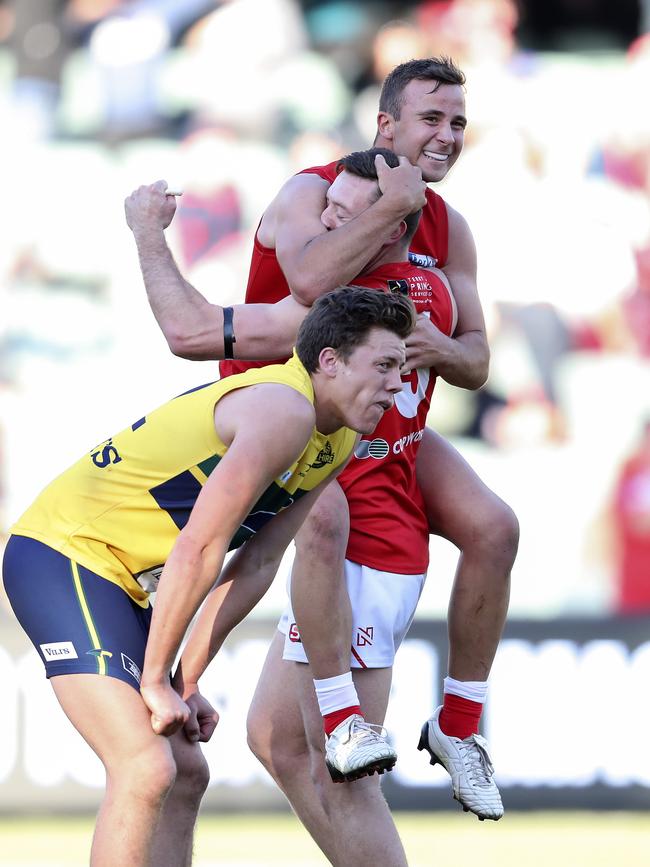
[{"x": 421, "y": 117}]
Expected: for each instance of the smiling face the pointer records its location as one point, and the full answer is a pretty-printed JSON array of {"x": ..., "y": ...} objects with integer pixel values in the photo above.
[
  {"x": 431, "y": 127},
  {"x": 348, "y": 196},
  {"x": 363, "y": 386}
]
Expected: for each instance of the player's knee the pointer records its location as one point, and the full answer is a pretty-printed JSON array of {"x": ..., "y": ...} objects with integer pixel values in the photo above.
[
  {"x": 148, "y": 777},
  {"x": 491, "y": 531},
  {"x": 503, "y": 531},
  {"x": 279, "y": 757},
  {"x": 257, "y": 736},
  {"x": 192, "y": 774},
  {"x": 325, "y": 530}
]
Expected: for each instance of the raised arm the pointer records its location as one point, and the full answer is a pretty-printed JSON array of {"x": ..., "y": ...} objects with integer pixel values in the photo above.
[
  {"x": 183, "y": 314},
  {"x": 315, "y": 260},
  {"x": 234, "y": 486},
  {"x": 463, "y": 359},
  {"x": 193, "y": 327}
]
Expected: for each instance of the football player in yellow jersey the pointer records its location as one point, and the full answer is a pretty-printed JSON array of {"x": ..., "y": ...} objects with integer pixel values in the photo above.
[{"x": 268, "y": 442}]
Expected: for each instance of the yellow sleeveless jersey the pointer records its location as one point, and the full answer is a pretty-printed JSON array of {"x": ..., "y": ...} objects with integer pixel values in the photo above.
[{"x": 119, "y": 509}]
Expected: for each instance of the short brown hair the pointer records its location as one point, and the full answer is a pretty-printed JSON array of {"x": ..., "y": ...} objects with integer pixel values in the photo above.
[
  {"x": 442, "y": 70},
  {"x": 362, "y": 164},
  {"x": 342, "y": 319}
]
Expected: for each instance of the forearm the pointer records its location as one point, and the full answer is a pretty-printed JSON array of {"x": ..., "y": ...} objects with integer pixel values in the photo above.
[
  {"x": 462, "y": 361},
  {"x": 243, "y": 582},
  {"x": 185, "y": 582},
  {"x": 335, "y": 258},
  {"x": 192, "y": 326}
]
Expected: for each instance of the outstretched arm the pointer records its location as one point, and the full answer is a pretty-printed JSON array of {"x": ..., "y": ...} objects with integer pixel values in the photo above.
[
  {"x": 234, "y": 486},
  {"x": 463, "y": 359},
  {"x": 193, "y": 327}
]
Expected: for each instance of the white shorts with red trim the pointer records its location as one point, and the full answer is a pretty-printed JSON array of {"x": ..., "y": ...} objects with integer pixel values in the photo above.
[{"x": 383, "y": 607}]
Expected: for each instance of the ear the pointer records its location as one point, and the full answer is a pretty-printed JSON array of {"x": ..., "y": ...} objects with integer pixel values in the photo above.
[
  {"x": 328, "y": 361},
  {"x": 398, "y": 233},
  {"x": 386, "y": 125}
]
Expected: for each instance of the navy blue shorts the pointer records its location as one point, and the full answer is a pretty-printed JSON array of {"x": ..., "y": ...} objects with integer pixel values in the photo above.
[{"x": 78, "y": 621}]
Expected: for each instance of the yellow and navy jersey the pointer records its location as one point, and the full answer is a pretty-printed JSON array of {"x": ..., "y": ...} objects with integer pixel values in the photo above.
[{"x": 119, "y": 509}]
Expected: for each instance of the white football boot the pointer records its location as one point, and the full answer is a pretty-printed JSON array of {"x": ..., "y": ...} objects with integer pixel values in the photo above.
[
  {"x": 358, "y": 749},
  {"x": 469, "y": 766}
]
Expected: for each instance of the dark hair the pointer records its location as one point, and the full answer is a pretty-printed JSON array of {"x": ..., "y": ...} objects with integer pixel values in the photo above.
[
  {"x": 442, "y": 70},
  {"x": 362, "y": 164},
  {"x": 342, "y": 319}
]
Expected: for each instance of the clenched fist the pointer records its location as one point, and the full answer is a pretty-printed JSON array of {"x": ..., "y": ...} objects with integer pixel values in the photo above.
[
  {"x": 169, "y": 712},
  {"x": 150, "y": 208}
]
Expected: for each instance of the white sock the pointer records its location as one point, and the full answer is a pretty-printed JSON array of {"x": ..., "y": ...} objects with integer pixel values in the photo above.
[
  {"x": 335, "y": 693},
  {"x": 472, "y": 690}
]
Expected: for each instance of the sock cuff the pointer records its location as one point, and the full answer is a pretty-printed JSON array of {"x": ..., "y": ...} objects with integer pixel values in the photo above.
[
  {"x": 329, "y": 683},
  {"x": 472, "y": 690}
]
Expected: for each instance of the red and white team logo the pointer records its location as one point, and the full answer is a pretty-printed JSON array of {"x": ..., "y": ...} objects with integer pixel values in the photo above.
[
  {"x": 294, "y": 635},
  {"x": 365, "y": 636}
]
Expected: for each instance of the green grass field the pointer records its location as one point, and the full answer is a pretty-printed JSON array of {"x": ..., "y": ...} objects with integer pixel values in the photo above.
[{"x": 241, "y": 840}]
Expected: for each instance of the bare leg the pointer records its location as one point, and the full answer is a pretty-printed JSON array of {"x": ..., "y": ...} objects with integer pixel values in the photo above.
[
  {"x": 173, "y": 842},
  {"x": 464, "y": 510},
  {"x": 350, "y": 822},
  {"x": 140, "y": 769},
  {"x": 319, "y": 594}
]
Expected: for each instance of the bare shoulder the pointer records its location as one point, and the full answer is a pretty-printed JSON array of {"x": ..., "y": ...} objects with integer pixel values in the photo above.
[
  {"x": 300, "y": 195},
  {"x": 269, "y": 409},
  {"x": 301, "y": 190}
]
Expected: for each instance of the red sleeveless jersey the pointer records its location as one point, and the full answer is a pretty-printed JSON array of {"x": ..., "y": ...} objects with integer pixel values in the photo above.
[
  {"x": 388, "y": 525},
  {"x": 267, "y": 283}
]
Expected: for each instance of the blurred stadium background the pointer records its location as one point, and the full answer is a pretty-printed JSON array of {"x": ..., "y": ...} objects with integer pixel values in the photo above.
[{"x": 227, "y": 100}]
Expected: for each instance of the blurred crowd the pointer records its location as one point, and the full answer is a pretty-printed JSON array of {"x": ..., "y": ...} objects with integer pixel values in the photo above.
[{"x": 228, "y": 99}]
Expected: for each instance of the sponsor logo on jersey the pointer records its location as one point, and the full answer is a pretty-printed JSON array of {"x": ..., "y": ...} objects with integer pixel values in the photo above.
[
  {"x": 365, "y": 636},
  {"x": 129, "y": 665},
  {"x": 59, "y": 650},
  {"x": 325, "y": 456},
  {"x": 401, "y": 287},
  {"x": 294, "y": 634},
  {"x": 376, "y": 449},
  {"x": 404, "y": 442},
  {"x": 422, "y": 260},
  {"x": 380, "y": 449}
]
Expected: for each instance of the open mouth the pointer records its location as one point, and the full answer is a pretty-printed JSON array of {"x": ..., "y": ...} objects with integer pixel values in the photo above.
[{"x": 438, "y": 158}]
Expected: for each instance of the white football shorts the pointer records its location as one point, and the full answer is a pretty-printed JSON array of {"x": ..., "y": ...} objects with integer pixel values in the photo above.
[{"x": 383, "y": 607}]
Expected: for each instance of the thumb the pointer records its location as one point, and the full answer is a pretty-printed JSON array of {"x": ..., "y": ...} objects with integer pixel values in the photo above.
[
  {"x": 157, "y": 724},
  {"x": 381, "y": 165},
  {"x": 404, "y": 161}
]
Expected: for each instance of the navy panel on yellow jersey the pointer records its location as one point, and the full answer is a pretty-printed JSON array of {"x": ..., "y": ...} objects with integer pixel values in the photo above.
[{"x": 119, "y": 509}]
